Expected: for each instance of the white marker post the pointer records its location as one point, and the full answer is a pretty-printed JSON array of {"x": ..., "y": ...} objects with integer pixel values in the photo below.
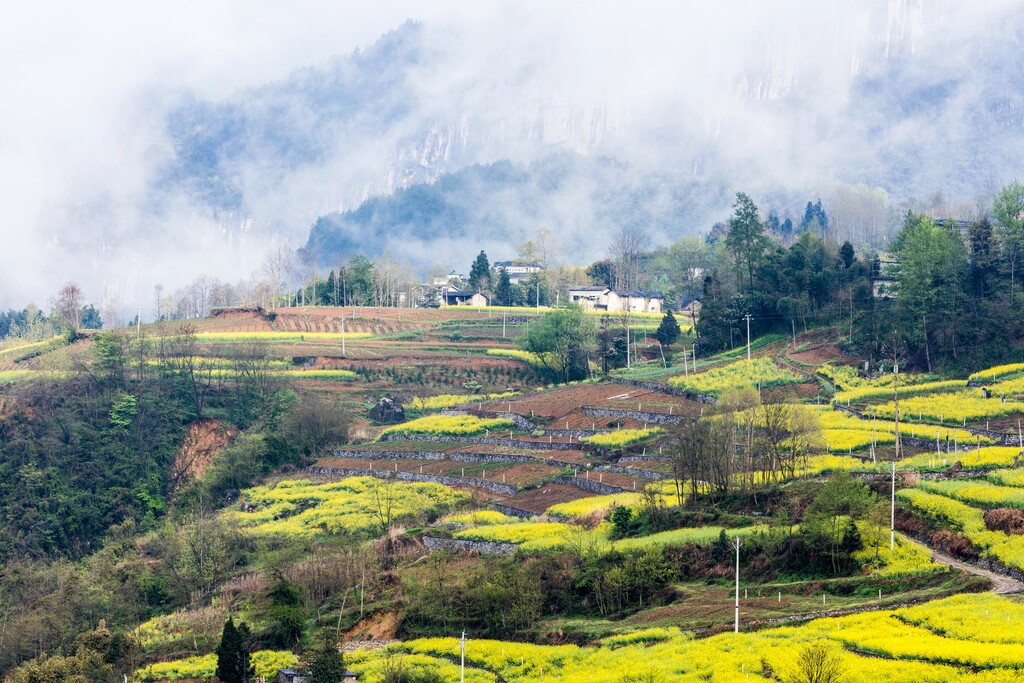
[
  {"x": 892, "y": 513},
  {"x": 462, "y": 648},
  {"x": 737, "y": 625}
]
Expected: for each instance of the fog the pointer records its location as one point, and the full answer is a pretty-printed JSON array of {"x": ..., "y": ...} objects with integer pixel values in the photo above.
[{"x": 784, "y": 100}]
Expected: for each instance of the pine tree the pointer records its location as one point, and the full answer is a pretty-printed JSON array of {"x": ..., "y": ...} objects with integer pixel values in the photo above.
[
  {"x": 503, "y": 290},
  {"x": 480, "y": 272},
  {"x": 331, "y": 295},
  {"x": 233, "y": 654},
  {"x": 668, "y": 330}
]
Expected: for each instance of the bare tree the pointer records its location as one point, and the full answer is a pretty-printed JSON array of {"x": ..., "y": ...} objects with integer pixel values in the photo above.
[
  {"x": 277, "y": 266},
  {"x": 628, "y": 246},
  {"x": 158, "y": 293},
  {"x": 316, "y": 424},
  {"x": 69, "y": 305}
]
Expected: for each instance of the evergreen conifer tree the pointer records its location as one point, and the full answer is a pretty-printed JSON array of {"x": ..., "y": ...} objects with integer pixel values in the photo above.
[
  {"x": 668, "y": 330},
  {"x": 503, "y": 290},
  {"x": 480, "y": 273},
  {"x": 233, "y": 654}
]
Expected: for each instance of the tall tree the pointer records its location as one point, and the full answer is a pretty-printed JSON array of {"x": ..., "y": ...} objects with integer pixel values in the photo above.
[
  {"x": 746, "y": 239},
  {"x": 503, "y": 290},
  {"x": 480, "y": 273},
  {"x": 1008, "y": 209},
  {"x": 69, "y": 305},
  {"x": 930, "y": 278},
  {"x": 562, "y": 341},
  {"x": 233, "y": 655},
  {"x": 629, "y": 244}
]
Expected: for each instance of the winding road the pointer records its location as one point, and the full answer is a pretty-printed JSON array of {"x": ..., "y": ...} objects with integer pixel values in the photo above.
[{"x": 1001, "y": 583}]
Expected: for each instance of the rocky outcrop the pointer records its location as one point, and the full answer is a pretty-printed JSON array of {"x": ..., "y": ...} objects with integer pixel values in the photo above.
[
  {"x": 452, "y": 545},
  {"x": 388, "y": 411}
]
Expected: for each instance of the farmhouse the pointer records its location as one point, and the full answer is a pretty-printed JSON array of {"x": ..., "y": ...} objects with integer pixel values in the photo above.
[
  {"x": 517, "y": 271},
  {"x": 616, "y": 300},
  {"x": 453, "y": 297},
  {"x": 293, "y": 676},
  {"x": 883, "y": 283}
]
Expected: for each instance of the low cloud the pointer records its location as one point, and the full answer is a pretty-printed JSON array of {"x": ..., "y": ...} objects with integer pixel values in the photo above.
[{"x": 782, "y": 100}]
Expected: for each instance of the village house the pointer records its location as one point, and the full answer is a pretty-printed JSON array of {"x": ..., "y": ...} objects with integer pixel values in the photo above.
[
  {"x": 517, "y": 271},
  {"x": 616, "y": 301},
  {"x": 293, "y": 676},
  {"x": 453, "y": 297},
  {"x": 883, "y": 281}
]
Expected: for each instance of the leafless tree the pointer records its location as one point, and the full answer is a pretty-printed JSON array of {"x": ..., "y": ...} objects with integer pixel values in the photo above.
[
  {"x": 69, "y": 305},
  {"x": 628, "y": 246},
  {"x": 277, "y": 266},
  {"x": 158, "y": 293}
]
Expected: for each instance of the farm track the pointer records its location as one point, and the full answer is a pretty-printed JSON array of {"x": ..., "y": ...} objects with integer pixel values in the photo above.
[{"x": 1001, "y": 583}]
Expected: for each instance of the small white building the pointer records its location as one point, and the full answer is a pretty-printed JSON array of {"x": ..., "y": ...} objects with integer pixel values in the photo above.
[
  {"x": 616, "y": 301},
  {"x": 517, "y": 271}
]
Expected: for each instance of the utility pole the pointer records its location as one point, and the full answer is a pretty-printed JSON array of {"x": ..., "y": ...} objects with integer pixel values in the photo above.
[
  {"x": 892, "y": 511},
  {"x": 747, "y": 316},
  {"x": 462, "y": 648},
  {"x": 342, "y": 335},
  {"x": 737, "y": 626}
]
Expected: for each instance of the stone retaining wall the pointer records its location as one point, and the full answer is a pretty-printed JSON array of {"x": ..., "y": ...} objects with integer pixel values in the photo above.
[
  {"x": 490, "y": 441},
  {"x": 389, "y": 455},
  {"x": 634, "y": 472},
  {"x": 483, "y": 547},
  {"x": 486, "y": 484},
  {"x": 641, "y": 415},
  {"x": 458, "y": 456},
  {"x": 591, "y": 486},
  {"x": 513, "y": 512},
  {"x": 642, "y": 458}
]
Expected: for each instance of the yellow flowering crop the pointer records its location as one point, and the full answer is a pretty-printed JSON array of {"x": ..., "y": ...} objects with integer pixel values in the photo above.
[
  {"x": 480, "y": 518},
  {"x": 944, "y": 641},
  {"x": 620, "y": 438},
  {"x": 450, "y": 425},
  {"x": 950, "y": 407},
  {"x": 266, "y": 663},
  {"x": 585, "y": 507},
  {"x": 980, "y": 493},
  {"x": 347, "y": 507},
  {"x": 871, "y": 393},
  {"x": 443, "y": 401},
  {"x": 742, "y": 373},
  {"x": 998, "y": 373}
]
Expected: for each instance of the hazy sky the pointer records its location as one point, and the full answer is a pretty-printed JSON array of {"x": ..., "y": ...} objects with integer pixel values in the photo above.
[{"x": 760, "y": 88}]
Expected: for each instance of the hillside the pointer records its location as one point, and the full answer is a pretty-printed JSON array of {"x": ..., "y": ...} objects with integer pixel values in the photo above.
[{"x": 541, "y": 514}]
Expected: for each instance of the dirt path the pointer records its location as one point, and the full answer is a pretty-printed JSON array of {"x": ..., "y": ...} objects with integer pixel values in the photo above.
[{"x": 1001, "y": 583}]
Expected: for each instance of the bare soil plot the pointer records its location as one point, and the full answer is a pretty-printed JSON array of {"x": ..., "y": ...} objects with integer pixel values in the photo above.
[{"x": 538, "y": 500}]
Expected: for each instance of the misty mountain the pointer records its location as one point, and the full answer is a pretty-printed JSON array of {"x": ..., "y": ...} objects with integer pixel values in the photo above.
[
  {"x": 492, "y": 126},
  {"x": 497, "y": 206}
]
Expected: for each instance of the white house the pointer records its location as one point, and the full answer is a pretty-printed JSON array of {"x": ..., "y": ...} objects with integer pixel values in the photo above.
[
  {"x": 517, "y": 271},
  {"x": 616, "y": 301}
]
